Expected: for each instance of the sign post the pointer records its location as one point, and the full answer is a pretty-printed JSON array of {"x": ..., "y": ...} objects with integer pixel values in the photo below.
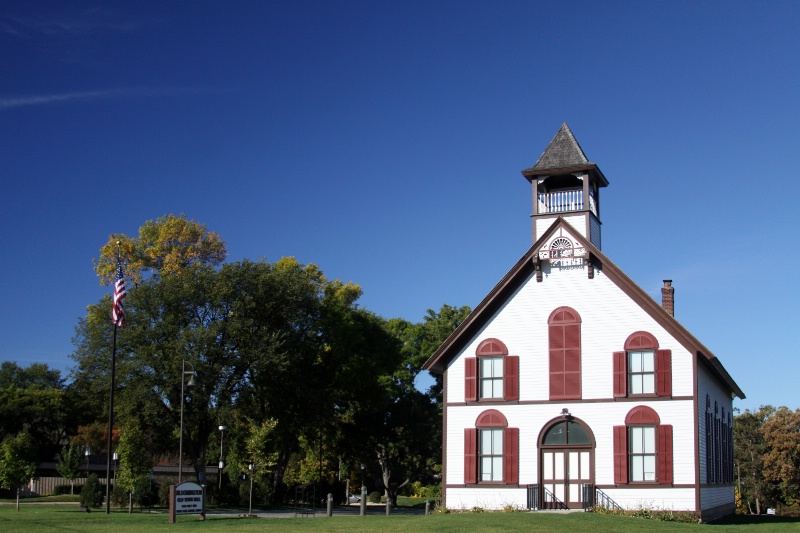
[{"x": 186, "y": 498}]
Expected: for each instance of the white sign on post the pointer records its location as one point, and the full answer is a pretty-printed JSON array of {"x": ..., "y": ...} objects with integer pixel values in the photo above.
[{"x": 189, "y": 498}]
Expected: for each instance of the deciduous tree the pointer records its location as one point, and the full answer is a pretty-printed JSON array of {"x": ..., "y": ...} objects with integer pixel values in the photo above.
[
  {"x": 782, "y": 459},
  {"x": 164, "y": 246},
  {"x": 17, "y": 462}
]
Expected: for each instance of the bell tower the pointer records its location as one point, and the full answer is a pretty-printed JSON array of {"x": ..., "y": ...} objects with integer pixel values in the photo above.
[{"x": 566, "y": 184}]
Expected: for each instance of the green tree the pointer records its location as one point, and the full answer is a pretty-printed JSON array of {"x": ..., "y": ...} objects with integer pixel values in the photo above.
[
  {"x": 135, "y": 461},
  {"x": 35, "y": 400},
  {"x": 91, "y": 494},
  {"x": 17, "y": 464},
  {"x": 69, "y": 464},
  {"x": 37, "y": 375}
]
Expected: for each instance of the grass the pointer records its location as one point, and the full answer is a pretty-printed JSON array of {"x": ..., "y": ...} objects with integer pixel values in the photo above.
[{"x": 51, "y": 518}]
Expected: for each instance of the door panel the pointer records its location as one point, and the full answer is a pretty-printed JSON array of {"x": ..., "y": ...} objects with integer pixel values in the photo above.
[{"x": 564, "y": 472}]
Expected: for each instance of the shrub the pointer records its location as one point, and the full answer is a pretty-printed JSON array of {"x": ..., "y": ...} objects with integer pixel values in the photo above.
[
  {"x": 374, "y": 497},
  {"x": 60, "y": 490},
  {"x": 91, "y": 493},
  {"x": 163, "y": 491}
]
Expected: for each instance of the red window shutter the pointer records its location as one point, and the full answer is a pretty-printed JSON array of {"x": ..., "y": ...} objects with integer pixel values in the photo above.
[
  {"x": 511, "y": 456},
  {"x": 471, "y": 385},
  {"x": 664, "y": 373},
  {"x": 664, "y": 443},
  {"x": 620, "y": 454},
  {"x": 470, "y": 455},
  {"x": 620, "y": 375},
  {"x": 565, "y": 361},
  {"x": 511, "y": 377}
]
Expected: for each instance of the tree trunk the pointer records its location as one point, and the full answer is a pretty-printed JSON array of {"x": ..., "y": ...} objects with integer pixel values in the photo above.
[{"x": 17, "y": 498}]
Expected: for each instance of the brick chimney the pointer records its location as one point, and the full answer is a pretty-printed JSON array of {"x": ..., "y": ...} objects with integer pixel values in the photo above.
[{"x": 668, "y": 297}]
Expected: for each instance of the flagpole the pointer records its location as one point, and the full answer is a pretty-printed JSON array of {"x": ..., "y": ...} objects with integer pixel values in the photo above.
[
  {"x": 118, "y": 317},
  {"x": 110, "y": 422}
]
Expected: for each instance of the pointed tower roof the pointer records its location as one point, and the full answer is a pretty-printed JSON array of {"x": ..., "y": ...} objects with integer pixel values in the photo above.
[
  {"x": 563, "y": 154},
  {"x": 563, "y": 151}
]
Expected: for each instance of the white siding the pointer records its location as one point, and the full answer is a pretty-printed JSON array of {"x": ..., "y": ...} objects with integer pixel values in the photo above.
[
  {"x": 576, "y": 221},
  {"x": 608, "y": 317},
  {"x": 599, "y": 416},
  {"x": 665, "y": 499},
  {"x": 467, "y": 499},
  {"x": 717, "y": 494}
]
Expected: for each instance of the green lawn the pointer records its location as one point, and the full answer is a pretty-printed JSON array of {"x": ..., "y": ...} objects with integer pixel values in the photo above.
[{"x": 47, "y": 518}]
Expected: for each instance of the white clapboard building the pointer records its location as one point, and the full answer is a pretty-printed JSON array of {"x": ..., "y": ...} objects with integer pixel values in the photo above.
[{"x": 568, "y": 386}]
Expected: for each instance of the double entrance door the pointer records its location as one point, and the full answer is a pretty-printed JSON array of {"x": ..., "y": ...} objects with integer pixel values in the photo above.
[{"x": 564, "y": 472}]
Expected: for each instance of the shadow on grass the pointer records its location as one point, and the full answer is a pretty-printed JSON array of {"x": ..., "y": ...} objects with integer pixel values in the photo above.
[{"x": 747, "y": 519}]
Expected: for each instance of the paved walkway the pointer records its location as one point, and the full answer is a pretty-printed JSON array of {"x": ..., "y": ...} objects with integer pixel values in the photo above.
[{"x": 352, "y": 510}]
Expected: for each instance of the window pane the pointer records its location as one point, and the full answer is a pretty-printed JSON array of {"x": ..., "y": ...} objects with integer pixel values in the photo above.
[
  {"x": 486, "y": 441},
  {"x": 649, "y": 439},
  {"x": 498, "y": 388},
  {"x": 556, "y": 434},
  {"x": 636, "y": 384},
  {"x": 486, "y": 469},
  {"x": 497, "y": 469},
  {"x": 649, "y": 467},
  {"x": 577, "y": 435},
  {"x": 497, "y": 367},
  {"x": 648, "y": 365},
  {"x": 648, "y": 383},
  {"x": 497, "y": 441},
  {"x": 637, "y": 468},
  {"x": 636, "y": 440},
  {"x": 635, "y": 362}
]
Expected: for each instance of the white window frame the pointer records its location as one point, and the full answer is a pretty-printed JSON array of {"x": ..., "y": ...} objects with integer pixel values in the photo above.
[
  {"x": 490, "y": 454},
  {"x": 490, "y": 377},
  {"x": 643, "y": 454},
  {"x": 641, "y": 372}
]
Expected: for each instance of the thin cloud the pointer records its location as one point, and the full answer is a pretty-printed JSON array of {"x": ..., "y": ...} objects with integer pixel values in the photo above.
[
  {"x": 89, "y": 21},
  {"x": 81, "y": 96}
]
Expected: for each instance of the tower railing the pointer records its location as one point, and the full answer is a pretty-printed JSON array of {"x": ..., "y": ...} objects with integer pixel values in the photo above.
[{"x": 564, "y": 202}]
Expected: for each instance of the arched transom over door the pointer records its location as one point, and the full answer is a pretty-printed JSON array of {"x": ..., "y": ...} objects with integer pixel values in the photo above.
[{"x": 566, "y": 447}]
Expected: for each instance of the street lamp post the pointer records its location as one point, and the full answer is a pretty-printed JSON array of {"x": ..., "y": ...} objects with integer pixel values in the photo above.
[
  {"x": 87, "y": 452},
  {"x": 221, "y": 462},
  {"x": 116, "y": 459},
  {"x": 250, "y": 468},
  {"x": 191, "y": 373}
]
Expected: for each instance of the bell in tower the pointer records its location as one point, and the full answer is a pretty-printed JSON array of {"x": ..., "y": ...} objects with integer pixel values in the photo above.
[{"x": 566, "y": 184}]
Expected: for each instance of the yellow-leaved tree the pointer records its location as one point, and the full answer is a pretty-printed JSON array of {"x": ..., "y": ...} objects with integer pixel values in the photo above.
[{"x": 164, "y": 246}]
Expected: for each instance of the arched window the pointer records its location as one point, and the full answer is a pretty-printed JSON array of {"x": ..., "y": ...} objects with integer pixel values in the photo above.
[
  {"x": 491, "y": 450},
  {"x": 643, "y": 448},
  {"x": 493, "y": 374},
  {"x": 564, "y": 331},
  {"x": 642, "y": 369}
]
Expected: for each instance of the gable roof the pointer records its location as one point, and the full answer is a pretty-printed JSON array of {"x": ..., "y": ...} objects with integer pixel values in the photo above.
[{"x": 525, "y": 266}]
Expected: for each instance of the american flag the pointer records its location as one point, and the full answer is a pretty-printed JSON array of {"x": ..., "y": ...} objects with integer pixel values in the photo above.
[{"x": 117, "y": 313}]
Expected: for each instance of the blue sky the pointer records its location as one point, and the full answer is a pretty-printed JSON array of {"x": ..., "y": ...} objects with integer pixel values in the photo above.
[{"x": 383, "y": 141}]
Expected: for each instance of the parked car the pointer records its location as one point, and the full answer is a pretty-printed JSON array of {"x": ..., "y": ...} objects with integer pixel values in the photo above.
[{"x": 353, "y": 498}]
